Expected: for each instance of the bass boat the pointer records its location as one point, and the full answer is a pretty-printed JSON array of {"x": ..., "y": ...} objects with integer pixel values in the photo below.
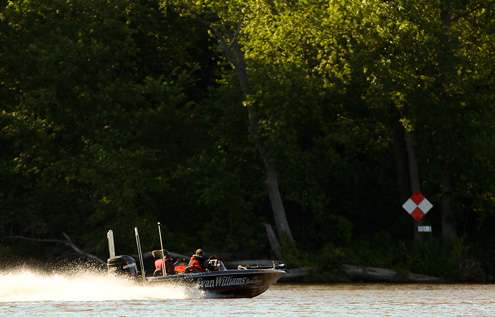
[{"x": 216, "y": 282}]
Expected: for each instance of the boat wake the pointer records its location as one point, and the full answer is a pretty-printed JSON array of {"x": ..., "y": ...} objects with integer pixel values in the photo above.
[{"x": 86, "y": 285}]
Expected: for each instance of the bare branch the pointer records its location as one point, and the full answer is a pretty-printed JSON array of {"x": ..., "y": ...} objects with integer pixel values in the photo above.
[
  {"x": 68, "y": 242},
  {"x": 81, "y": 252},
  {"x": 34, "y": 239}
]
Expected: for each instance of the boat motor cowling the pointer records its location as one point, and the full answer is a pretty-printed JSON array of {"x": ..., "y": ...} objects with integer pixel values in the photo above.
[{"x": 122, "y": 264}]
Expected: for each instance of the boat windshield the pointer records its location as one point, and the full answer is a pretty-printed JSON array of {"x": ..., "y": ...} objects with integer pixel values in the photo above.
[{"x": 216, "y": 265}]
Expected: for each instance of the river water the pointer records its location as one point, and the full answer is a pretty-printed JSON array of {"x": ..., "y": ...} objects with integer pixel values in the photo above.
[{"x": 28, "y": 293}]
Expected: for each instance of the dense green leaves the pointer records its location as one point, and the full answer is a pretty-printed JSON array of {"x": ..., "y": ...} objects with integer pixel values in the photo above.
[{"x": 117, "y": 113}]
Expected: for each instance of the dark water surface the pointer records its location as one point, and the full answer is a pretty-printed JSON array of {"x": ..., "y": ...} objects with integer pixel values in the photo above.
[{"x": 85, "y": 294}]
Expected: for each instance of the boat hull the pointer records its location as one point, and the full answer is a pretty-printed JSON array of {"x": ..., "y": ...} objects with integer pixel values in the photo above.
[{"x": 225, "y": 284}]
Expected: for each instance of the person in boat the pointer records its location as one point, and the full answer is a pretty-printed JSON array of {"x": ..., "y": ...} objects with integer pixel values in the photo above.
[
  {"x": 180, "y": 265},
  {"x": 197, "y": 263},
  {"x": 169, "y": 266}
]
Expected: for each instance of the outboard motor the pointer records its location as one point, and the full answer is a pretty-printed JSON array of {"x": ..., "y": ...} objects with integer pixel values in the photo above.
[{"x": 122, "y": 264}]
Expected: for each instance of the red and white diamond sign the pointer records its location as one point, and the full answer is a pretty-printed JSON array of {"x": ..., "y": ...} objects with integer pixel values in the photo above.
[{"x": 417, "y": 206}]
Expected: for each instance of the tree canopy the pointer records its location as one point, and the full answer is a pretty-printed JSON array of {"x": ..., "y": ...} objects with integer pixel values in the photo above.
[{"x": 215, "y": 117}]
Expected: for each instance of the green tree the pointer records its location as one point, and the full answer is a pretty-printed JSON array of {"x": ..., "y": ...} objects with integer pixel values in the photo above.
[
  {"x": 225, "y": 22},
  {"x": 96, "y": 94},
  {"x": 403, "y": 63}
]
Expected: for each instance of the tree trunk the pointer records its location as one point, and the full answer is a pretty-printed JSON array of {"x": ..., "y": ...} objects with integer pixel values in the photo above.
[
  {"x": 279, "y": 215},
  {"x": 448, "y": 69},
  {"x": 413, "y": 173},
  {"x": 448, "y": 229},
  {"x": 236, "y": 57},
  {"x": 402, "y": 170},
  {"x": 401, "y": 162},
  {"x": 413, "y": 163},
  {"x": 272, "y": 239}
]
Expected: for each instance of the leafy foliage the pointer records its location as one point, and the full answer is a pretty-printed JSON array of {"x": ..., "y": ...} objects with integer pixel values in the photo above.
[{"x": 118, "y": 114}]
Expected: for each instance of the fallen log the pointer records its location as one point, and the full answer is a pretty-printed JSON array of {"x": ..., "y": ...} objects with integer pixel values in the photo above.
[
  {"x": 296, "y": 273},
  {"x": 377, "y": 274}
]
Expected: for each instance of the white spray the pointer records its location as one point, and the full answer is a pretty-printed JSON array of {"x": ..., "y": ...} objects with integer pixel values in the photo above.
[{"x": 29, "y": 285}]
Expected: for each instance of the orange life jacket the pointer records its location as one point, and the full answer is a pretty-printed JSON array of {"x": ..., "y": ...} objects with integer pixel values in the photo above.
[
  {"x": 181, "y": 268},
  {"x": 195, "y": 264}
]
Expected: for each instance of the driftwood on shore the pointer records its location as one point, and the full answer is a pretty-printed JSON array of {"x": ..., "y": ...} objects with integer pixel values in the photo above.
[
  {"x": 352, "y": 273},
  {"x": 377, "y": 274}
]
